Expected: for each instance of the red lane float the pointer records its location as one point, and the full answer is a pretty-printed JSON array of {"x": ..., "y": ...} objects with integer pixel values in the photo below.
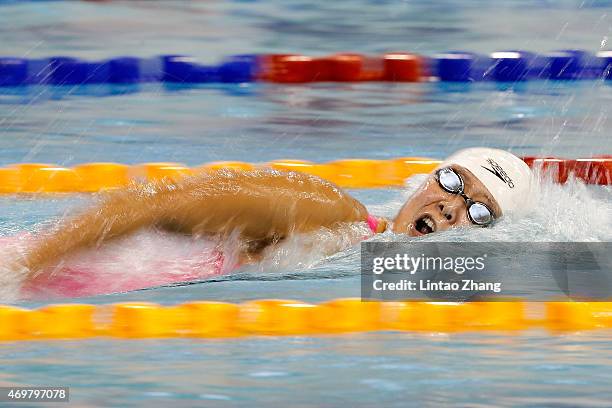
[
  {"x": 288, "y": 68},
  {"x": 404, "y": 67},
  {"x": 593, "y": 170},
  {"x": 346, "y": 67},
  {"x": 356, "y": 68}
]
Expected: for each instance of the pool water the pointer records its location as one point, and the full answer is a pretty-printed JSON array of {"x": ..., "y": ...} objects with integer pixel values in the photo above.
[{"x": 319, "y": 122}]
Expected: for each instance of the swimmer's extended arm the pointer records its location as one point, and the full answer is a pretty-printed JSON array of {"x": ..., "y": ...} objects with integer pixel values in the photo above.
[{"x": 263, "y": 206}]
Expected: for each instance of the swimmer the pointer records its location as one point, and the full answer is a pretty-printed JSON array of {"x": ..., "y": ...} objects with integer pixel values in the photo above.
[{"x": 473, "y": 187}]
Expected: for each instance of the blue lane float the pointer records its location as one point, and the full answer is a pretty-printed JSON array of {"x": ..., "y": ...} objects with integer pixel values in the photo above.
[
  {"x": 239, "y": 68},
  {"x": 606, "y": 56},
  {"x": 124, "y": 70},
  {"x": 510, "y": 66},
  {"x": 455, "y": 66},
  {"x": 63, "y": 70},
  {"x": 517, "y": 66},
  {"x": 182, "y": 69},
  {"x": 13, "y": 71}
]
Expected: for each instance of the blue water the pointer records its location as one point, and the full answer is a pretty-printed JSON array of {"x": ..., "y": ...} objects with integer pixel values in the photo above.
[{"x": 261, "y": 122}]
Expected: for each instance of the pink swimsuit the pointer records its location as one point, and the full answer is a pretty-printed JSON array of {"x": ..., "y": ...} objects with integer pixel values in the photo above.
[
  {"x": 145, "y": 260},
  {"x": 131, "y": 266},
  {"x": 373, "y": 223}
]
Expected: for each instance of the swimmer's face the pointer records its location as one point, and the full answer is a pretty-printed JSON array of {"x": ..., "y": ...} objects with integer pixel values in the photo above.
[{"x": 433, "y": 209}]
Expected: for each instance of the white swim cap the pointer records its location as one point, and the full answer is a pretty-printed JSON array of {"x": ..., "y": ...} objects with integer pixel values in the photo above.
[{"x": 507, "y": 177}]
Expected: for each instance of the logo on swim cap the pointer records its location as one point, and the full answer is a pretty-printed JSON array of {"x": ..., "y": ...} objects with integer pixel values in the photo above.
[{"x": 499, "y": 172}]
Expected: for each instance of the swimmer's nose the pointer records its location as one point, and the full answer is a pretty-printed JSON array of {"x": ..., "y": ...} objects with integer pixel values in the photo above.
[{"x": 449, "y": 211}]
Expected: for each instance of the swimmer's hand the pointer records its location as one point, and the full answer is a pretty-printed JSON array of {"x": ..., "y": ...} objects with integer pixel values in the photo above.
[
  {"x": 263, "y": 206},
  {"x": 382, "y": 225}
]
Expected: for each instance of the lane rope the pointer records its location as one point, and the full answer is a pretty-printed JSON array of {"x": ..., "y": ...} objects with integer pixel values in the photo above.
[
  {"x": 277, "y": 317},
  {"x": 28, "y": 178},
  {"x": 454, "y": 66}
]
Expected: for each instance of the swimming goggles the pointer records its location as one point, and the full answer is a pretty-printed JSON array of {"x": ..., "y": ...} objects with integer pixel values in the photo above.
[{"x": 451, "y": 182}]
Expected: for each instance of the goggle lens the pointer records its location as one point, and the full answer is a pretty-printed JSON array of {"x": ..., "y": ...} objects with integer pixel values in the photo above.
[
  {"x": 450, "y": 181},
  {"x": 480, "y": 214}
]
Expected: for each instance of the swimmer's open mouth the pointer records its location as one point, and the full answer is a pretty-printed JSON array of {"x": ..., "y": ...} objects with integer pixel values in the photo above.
[{"x": 425, "y": 225}]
